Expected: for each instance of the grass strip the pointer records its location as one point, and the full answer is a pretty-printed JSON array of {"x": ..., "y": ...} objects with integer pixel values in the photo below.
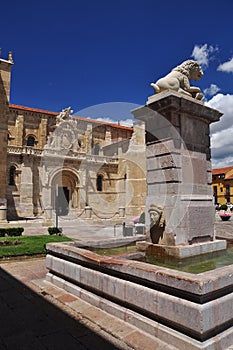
[{"x": 29, "y": 245}]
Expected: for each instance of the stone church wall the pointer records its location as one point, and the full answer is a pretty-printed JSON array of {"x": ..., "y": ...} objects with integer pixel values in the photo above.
[{"x": 93, "y": 163}]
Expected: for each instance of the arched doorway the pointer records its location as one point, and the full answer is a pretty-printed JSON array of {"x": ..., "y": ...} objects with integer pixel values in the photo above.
[{"x": 65, "y": 191}]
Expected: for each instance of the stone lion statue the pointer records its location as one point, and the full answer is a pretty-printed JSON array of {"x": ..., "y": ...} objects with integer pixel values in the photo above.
[
  {"x": 178, "y": 80},
  {"x": 157, "y": 223}
]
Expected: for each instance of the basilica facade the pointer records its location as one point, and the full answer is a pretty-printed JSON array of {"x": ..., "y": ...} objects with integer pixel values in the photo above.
[{"x": 58, "y": 161}]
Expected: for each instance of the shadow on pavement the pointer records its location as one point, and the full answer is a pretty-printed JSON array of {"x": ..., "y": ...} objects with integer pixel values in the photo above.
[{"x": 28, "y": 321}]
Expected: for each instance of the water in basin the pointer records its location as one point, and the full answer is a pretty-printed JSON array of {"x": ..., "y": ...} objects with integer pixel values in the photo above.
[{"x": 197, "y": 264}]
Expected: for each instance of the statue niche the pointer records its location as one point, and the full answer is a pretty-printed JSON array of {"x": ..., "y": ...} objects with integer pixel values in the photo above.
[{"x": 179, "y": 80}]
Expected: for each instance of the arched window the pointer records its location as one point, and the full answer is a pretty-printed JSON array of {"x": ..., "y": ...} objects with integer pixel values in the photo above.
[
  {"x": 31, "y": 141},
  {"x": 99, "y": 183},
  {"x": 12, "y": 175}
]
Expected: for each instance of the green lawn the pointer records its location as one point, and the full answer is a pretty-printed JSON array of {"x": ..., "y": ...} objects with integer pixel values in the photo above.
[{"x": 30, "y": 245}]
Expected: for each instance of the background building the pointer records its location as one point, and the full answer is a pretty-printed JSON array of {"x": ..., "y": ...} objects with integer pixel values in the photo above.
[
  {"x": 51, "y": 159},
  {"x": 222, "y": 183}
]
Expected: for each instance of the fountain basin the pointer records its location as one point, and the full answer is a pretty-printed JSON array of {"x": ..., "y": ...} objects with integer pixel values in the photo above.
[{"x": 189, "y": 311}]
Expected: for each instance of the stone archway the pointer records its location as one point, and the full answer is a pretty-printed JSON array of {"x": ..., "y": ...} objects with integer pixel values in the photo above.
[{"x": 65, "y": 191}]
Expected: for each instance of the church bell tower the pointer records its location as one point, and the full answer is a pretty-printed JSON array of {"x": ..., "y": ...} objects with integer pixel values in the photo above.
[{"x": 5, "y": 77}]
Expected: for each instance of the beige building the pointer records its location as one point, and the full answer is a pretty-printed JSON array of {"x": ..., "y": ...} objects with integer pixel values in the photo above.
[
  {"x": 51, "y": 159},
  {"x": 222, "y": 184}
]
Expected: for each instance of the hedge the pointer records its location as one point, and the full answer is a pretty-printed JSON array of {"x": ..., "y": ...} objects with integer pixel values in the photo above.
[
  {"x": 11, "y": 231},
  {"x": 54, "y": 230}
]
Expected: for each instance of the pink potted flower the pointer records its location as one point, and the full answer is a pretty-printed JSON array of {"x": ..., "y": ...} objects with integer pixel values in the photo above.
[{"x": 225, "y": 216}]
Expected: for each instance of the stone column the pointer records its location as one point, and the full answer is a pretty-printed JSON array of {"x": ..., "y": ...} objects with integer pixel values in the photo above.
[
  {"x": 136, "y": 171},
  {"x": 26, "y": 191},
  {"x": 178, "y": 169},
  {"x": 88, "y": 139},
  {"x": 43, "y": 133},
  {"x": 5, "y": 77},
  {"x": 19, "y": 130},
  {"x": 88, "y": 212},
  {"x": 121, "y": 212}
]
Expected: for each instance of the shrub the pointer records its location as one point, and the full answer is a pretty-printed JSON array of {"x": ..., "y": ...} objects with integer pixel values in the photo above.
[
  {"x": 54, "y": 230},
  {"x": 224, "y": 207},
  {"x": 2, "y": 232},
  {"x": 11, "y": 231},
  {"x": 142, "y": 218},
  {"x": 15, "y": 231}
]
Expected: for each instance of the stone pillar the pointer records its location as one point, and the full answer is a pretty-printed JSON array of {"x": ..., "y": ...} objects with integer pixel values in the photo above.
[
  {"x": 43, "y": 133},
  {"x": 3, "y": 212},
  {"x": 178, "y": 169},
  {"x": 19, "y": 130},
  {"x": 5, "y": 77},
  {"x": 136, "y": 171},
  {"x": 26, "y": 191},
  {"x": 88, "y": 212},
  {"x": 48, "y": 214},
  {"x": 122, "y": 212},
  {"x": 88, "y": 139}
]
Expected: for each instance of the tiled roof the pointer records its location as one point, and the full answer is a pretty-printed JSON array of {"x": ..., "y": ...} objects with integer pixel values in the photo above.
[
  {"x": 29, "y": 109},
  {"x": 230, "y": 177},
  {"x": 42, "y": 111},
  {"x": 222, "y": 170}
]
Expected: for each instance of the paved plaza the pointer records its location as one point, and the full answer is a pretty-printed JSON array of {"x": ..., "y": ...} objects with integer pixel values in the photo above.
[{"x": 37, "y": 315}]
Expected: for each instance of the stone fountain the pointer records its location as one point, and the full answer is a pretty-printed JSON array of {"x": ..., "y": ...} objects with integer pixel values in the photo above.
[
  {"x": 186, "y": 310},
  {"x": 180, "y": 214}
]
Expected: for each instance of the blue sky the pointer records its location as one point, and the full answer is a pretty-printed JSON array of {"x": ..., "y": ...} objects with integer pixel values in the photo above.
[{"x": 92, "y": 53}]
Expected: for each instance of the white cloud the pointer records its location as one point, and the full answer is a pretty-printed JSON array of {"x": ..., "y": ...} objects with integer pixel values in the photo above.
[
  {"x": 202, "y": 54},
  {"x": 212, "y": 90},
  {"x": 127, "y": 122},
  {"x": 226, "y": 66},
  {"x": 224, "y": 104},
  {"x": 222, "y": 131}
]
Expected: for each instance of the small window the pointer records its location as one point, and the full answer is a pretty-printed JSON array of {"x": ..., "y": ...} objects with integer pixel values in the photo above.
[
  {"x": 125, "y": 178},
  {"x": 31, "y": 141},
  {"x": 12, "y": 175},
  {"x": 99, "y": 183}
]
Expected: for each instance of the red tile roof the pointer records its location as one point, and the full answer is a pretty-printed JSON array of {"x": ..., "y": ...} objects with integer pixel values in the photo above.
[
  {"x": 230, "y": 177},
  {"x": 36, "y": 110},
  {"x": 221, "y": 170},
  {"x": 32, "y": 109}
]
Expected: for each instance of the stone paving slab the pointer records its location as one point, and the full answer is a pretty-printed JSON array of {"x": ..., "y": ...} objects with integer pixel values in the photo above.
[
  {"x": 35, "y": 314},
  {"x": 89, "y": 230}
]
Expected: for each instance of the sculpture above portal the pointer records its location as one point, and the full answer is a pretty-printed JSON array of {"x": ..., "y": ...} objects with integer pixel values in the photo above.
[
  {"x": 178, "y": 80},
  {"x": 63, "y": 115}
]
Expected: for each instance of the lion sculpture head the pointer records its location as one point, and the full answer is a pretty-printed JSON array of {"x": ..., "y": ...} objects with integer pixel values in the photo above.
[
  {"x": 179, "y": 80},
  {"x": 157, "y": 223},
  {"x": 191, "y": 69}
]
